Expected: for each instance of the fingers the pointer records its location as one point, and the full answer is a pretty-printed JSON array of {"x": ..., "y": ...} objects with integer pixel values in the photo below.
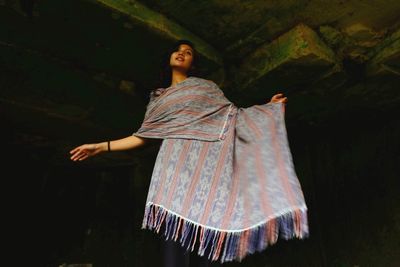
[
  {"x": 276, "y": 97},
  {"x": 83, "y": 157},
  {"x": 76, "y": 155},
  {"x": 74, "y": 150},
  {"x": 79, "y": 154},
  {"x": 79, "y": 148},
  {"x": 279, "y": 98},
  {"x": 80, "y": 157}
]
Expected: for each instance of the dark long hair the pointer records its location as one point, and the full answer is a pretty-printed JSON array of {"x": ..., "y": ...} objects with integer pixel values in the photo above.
[{"x": 165, "y": 73}]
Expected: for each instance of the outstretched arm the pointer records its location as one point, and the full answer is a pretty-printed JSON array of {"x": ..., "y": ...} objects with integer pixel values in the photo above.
[{"x": 85, "y": 151}]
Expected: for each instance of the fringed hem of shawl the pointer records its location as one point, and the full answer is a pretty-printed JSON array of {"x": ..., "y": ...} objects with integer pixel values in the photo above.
[{"x": 225, "y": 245}]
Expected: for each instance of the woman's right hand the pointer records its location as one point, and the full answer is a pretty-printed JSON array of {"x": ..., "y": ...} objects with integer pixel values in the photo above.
[{"x": 85, "y": 151}]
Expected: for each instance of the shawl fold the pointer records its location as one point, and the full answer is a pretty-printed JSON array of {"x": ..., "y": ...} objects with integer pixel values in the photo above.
[
  {"x": 223, "y": 182},
  {"x": 192, "y": 109}
]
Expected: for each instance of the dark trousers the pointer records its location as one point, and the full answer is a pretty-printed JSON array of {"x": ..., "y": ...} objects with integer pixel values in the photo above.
[{"x": 176, "y": 256}]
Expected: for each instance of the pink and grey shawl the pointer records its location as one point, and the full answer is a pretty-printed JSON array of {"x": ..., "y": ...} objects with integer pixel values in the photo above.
[{"x": 224, "y": 181}]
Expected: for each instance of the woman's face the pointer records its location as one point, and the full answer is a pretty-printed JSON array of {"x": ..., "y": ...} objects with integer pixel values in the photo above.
[{"x": 182, "y": 58}]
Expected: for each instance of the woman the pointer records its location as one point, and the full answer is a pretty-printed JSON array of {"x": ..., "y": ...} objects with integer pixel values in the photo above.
[{"x": 223, "y": 182}]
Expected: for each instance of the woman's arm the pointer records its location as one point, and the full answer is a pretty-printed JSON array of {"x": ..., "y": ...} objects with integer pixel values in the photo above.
[{"x": 85, "y": 151}]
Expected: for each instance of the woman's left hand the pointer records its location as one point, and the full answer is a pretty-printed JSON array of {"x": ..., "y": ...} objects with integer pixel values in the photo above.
[{"x": 278, "y": 98}]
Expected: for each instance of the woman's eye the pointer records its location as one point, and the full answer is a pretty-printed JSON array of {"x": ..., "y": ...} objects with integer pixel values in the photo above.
[{"x": 187, "y": 52}]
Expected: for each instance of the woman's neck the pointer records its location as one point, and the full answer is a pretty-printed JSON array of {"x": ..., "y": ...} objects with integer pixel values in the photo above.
[{"x": 177, "y": 77}]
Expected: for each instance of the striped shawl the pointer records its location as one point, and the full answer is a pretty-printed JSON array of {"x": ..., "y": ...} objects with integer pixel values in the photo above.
[{"x": 224, "y": 182}]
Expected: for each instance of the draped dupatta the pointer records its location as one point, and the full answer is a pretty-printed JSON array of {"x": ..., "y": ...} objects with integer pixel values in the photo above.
[{"x": 224, "y": 182}]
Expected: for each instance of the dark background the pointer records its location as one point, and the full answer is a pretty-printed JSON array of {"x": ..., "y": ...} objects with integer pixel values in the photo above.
[{"x": 74, "y": 72}]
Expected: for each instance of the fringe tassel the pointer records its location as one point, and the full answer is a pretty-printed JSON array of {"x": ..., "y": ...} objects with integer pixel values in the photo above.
[{"x": 225, "y": 245}]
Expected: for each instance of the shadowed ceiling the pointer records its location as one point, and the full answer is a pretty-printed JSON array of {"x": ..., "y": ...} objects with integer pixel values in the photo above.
[{"x": 79, "y": 71}]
